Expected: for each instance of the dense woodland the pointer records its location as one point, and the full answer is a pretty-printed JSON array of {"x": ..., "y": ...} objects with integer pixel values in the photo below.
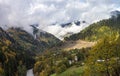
[
  {"x": 14, "y": 59},
  {"x": 19, "y": 48},
  {"x": 104, "y": 58}
]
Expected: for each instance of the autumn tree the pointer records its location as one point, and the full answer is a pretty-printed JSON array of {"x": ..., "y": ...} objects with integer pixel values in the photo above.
[{"x": 104, "y": 57}]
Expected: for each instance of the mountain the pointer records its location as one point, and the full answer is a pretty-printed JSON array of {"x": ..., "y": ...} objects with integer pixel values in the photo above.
[
  {"x": 115, "y": 13},
  {"x": 18, "y": 49},
  {"x": 69, "y": 28},
  {"x": 99, "y": 30},
  {"x": 77, "y": 23},
  {"x": 36, "y": 44}
]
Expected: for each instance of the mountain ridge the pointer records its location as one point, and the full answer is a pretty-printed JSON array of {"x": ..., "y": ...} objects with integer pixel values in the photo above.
[
  {"x": 97, "y": 30},
  {"x": 25, "y": 39}
]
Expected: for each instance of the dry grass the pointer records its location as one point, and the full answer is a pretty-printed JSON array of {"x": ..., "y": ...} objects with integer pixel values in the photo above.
[{"x": 77, "y": 44}]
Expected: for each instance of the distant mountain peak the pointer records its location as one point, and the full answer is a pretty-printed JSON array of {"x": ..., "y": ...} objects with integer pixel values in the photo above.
[
  {"x": 34, "y": 25},
  {"x": 77, "y": 23},
  {"x": 68, "y": 24},
  {"x": 68, "y": 28},
  {"x": 35, "y": 28},
  {"x": 115, "y": 14}
]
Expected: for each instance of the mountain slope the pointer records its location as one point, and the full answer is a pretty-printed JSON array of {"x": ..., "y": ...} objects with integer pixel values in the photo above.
[
  {"x": 18, "y": 49},
  {"x": 10, "y": 55},
  {"x": 98, "y": 30},
  {"x": 42, "y": 41}
]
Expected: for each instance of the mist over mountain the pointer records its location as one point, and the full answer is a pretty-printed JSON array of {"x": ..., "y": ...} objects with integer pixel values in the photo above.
[
  {"x": 22, "y": 13},
  {"x": 66, "y": 29},
  {"x": 99, "y": 29}
]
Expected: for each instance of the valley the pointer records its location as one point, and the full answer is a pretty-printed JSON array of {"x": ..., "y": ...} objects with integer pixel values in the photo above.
[{"x": 92, "y": 52}]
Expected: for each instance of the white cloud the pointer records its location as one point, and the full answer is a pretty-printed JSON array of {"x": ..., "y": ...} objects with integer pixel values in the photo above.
[
  {"x": 60, "y": 32},
  {"x": 44, "y": 12}
]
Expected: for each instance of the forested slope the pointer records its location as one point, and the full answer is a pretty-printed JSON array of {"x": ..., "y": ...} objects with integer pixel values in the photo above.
[{"x": 98, "y": 30}]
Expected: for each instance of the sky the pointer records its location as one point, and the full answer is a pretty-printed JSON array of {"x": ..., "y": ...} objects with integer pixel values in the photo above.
[{"x": 22, "y": 13}]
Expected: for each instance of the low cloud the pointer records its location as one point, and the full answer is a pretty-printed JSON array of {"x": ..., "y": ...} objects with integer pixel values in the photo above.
[
  {"x": 22, "y": 13},
  {"x": 60, "y": 32}
]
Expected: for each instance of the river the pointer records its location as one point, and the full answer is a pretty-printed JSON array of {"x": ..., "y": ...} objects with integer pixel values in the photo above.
[{"x": 30, "y": 72}]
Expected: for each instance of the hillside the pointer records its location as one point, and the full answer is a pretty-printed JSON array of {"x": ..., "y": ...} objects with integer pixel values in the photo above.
[
  {"x": 11, "y": 53},
  {"x": 76, "y": 71},
  {"x": 18, "y": 49},
  {"x": 43, "y": 40},
  {"x": 98, "y": 30}
]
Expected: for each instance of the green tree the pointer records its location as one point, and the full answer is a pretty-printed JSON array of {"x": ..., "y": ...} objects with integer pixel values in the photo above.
[
  {"x": 21, "y": 69},
  {"x": 103, "y": 59}
]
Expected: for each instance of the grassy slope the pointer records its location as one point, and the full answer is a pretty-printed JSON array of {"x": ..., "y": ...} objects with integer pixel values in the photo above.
[{"x": 73, "y": 71}]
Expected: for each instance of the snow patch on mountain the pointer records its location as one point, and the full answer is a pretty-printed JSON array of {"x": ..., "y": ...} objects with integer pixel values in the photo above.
[{"x": 65, "y": 30}]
